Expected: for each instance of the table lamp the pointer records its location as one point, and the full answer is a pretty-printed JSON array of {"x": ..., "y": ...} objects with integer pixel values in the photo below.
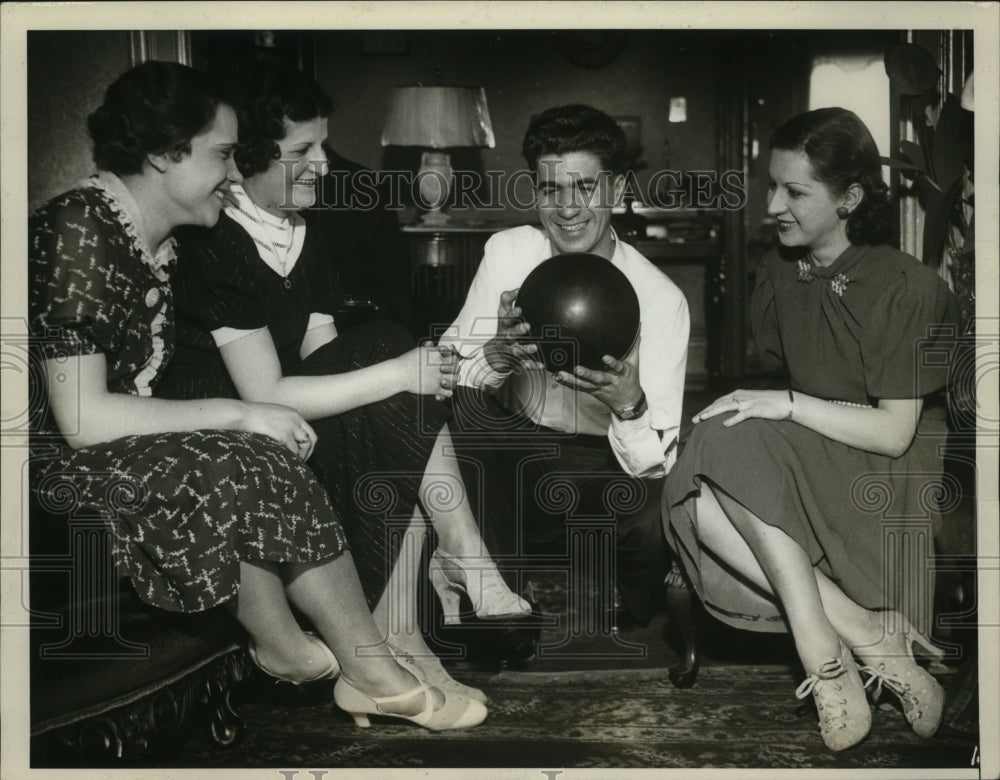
[{"x": 439, "y": 118}]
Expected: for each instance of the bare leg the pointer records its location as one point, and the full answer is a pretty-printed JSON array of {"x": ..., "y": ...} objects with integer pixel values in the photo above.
[
  {"x": 330, "y": 594},
  {"x": 262, "y": 609},
  {"x": 395, "y": 614},
  {"x": 717, "y": 533},
  {"x": 461, "y": 561},
  {"x": 793, "y": 580},
  {"x": 397, "y": 617},
  {"x": 443, "y": 494},
  {"x": 855, "y": 624},
  {"x": 833, "y": 679}
]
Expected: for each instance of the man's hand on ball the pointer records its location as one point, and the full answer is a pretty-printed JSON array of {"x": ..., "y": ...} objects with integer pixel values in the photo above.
[
  {"x": 505, "y": 352},
  {"x": 616, "y": 386}
]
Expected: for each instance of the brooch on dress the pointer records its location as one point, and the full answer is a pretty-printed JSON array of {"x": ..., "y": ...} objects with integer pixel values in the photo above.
[{"x": 838, "y": 283}]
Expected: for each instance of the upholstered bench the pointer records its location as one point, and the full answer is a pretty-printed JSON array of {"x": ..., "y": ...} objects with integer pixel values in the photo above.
[{"x": 112, "y": 678}]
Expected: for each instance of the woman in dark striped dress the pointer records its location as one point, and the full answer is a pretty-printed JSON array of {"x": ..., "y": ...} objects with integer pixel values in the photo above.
[{"x": 256, "y": 298}]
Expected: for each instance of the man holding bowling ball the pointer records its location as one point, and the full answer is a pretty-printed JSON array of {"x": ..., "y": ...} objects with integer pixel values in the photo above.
[{"x": 609, "y": 432}]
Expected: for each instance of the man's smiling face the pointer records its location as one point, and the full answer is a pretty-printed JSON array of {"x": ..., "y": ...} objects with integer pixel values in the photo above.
[{"x": 574, "y": 199}]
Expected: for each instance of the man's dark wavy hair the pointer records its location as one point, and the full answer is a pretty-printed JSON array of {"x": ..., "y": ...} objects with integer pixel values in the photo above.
[{"x": 575, "y": 128}]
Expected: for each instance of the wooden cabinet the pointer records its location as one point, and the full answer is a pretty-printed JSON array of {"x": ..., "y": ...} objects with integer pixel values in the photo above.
[
  {"x": 694, "y": 267},
  {"x": 443, "y": 261}
]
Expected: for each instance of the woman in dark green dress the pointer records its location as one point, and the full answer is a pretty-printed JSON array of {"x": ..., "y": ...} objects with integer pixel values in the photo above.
[{"x": 812, "y": 509}]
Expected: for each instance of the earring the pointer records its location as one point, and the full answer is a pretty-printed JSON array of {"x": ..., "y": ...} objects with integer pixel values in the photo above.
[{"x": 842, "y": 212}]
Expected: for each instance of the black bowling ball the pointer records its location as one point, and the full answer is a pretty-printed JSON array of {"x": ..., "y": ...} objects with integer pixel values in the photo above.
[{"x": 580, "y": 308}]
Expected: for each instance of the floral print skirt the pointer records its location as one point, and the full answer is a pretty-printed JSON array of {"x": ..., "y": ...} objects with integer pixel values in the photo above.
[{"x": 186, "y": 508}]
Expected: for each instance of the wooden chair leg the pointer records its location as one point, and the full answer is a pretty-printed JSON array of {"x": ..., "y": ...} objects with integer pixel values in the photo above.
[{"x": 681, "y": 608}]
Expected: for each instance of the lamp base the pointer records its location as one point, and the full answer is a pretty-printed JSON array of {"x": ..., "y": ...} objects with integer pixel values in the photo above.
[
  {"x": 434, "y": 218},
  {"x": 434, "y": 185}
]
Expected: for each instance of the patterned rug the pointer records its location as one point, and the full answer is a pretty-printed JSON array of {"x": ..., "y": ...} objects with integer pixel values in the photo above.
[
  {"x": 595, "y": 701},
  {"x": 744, "y": 716}
]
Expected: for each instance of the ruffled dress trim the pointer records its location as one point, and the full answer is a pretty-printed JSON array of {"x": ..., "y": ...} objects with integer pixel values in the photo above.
[
  {"x": 127, "y": 211},
  {"x": 129, "y": 215}
]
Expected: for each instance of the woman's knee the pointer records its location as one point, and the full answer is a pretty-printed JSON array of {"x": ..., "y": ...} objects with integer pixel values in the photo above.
[
  {"x": 386, "y": 339},
  {"x": 236, "y": 459}
]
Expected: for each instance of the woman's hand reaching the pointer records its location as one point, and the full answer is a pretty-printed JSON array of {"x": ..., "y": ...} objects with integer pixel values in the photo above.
[
  {"x": 431, "y": 370},
  {"x": 283, "y": 424},
  {"x": 762, "y": 404},
  {"x": 449, "y": 373}
]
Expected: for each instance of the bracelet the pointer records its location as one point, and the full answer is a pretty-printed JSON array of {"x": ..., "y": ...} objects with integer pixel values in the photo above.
[
  {"x": 788, "y": 417},
  {"x": 852, "y": 404}
]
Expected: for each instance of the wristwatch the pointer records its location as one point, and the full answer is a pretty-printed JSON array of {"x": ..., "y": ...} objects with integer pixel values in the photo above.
[{"x": 633, "y": 410}]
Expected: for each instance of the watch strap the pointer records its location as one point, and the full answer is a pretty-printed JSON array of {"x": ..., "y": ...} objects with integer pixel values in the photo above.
[{"x": 632, "y": 411}]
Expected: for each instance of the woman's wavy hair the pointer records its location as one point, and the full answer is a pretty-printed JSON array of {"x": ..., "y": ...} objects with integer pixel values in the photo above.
[
  {"x": 153, "y": 108},
  {"x": 842, "y": 152},
  {"x": 575, "y": 128},
  {"x": 269, "y": 93}
]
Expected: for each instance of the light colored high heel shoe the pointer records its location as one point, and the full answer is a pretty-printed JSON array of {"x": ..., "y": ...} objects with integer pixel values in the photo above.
[
  {"x": 428, "y": 668},
  {"x": 332, "y": 668},
  {"x": 844, "y": 715},
  {"x": 890, "y": 663},
  {"x": 457, "y": 712},
  {"x": 479, "y": 579}
]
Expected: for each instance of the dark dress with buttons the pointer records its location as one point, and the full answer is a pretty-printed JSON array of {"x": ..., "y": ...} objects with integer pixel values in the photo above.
[
  {"x": 876, "y": 324},
  {"x": 370, "y": 459},
  {"x": 184, "y": 508}
]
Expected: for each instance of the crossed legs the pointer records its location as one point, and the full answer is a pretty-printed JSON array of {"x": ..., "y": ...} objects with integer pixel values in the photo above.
[
  {"x": 330, "y": 595},
  {"x": 818, "y": 610}
]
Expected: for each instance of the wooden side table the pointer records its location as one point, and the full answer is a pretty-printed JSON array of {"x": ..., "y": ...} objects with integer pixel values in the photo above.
[{"x": 443, "y": 261}]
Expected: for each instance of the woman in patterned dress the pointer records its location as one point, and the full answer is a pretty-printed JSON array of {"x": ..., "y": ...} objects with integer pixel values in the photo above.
[
  {"x": 219, "y": 506},
  {"x": 775, "y": 503},
  {"x": 256, "y": 298}
]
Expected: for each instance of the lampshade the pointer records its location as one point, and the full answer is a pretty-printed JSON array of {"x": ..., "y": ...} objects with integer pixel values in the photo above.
[{"x": 438, "y": 118}]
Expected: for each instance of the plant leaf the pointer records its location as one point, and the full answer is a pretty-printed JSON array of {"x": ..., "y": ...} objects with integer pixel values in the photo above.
[
  {"x": 938, "y": 207},
  {"x": 902, "y": 165},
  {"x": 947, "y": 154},
  {"x": 915, "y": 154},
  {"x": 911, "y": 68}
]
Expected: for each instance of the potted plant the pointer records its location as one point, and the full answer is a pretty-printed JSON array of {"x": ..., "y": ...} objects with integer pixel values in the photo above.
[{"x": 940, "y": 165}]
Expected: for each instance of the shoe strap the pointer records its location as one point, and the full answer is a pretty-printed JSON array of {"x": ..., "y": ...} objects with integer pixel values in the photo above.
[
  {"x": 466, "y": 564},
  {"x": 828, "y": 670},
  {"x": 380, "y": 700}
]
